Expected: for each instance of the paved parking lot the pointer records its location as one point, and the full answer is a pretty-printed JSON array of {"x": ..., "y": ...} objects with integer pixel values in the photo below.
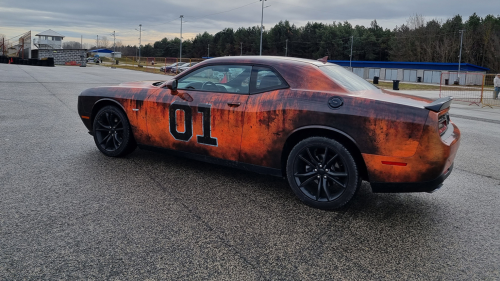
[{"x": 68, "y": 212}]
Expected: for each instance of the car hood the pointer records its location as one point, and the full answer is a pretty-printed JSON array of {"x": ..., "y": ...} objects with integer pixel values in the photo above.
[{"x": 144, "y": 84}]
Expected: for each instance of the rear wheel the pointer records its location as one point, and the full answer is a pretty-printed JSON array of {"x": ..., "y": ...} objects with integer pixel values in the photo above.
[
  {"x": 112, "y": 134},
  {"x": 322, "y": 173}
]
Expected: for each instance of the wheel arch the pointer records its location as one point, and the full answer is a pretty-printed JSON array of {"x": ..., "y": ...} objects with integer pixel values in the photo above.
[
  {"x": 322, "y": 131},
  {"x": 102, "y": 103}
]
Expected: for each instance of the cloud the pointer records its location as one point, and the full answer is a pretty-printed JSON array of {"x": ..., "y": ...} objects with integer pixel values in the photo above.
[{"x": 160, "y": 18}]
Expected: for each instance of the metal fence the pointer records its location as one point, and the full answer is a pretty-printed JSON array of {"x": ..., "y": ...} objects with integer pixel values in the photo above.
[
  {"x": 474, "y": 88},
  {"x": 454, "y": 85},
  {"x": 488, "y": 98}
]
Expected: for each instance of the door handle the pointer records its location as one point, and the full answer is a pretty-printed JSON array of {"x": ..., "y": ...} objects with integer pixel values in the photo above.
[{"x": 233, "y": 104}]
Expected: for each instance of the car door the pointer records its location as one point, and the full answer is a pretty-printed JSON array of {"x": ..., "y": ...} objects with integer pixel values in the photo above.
[
  {"x": 204, "y": 115},
  {"x": 266, "y": 123}
]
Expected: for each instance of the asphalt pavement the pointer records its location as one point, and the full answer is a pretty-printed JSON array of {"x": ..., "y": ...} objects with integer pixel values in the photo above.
[{"x": 67, "y": 212}]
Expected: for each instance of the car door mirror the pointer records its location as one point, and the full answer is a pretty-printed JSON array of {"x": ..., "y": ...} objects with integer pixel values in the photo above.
[{"x": 172, "y": 85}]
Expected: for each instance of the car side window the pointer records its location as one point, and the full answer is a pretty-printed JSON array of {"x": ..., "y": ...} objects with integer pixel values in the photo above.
[
  {"x": 266, "y": 79},
  {"x": 218, "y": 78}
]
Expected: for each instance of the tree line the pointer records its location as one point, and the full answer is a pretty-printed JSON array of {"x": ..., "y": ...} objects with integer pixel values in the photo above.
[
  {"x": 417, "y": 40},
  {"x": 433, "y": 41}
]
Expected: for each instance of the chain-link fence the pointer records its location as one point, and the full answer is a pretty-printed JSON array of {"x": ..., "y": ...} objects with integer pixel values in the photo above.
[{"x": 466, "y": 87}]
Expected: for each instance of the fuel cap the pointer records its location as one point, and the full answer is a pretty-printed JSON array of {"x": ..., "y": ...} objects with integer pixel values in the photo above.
[{"x": 335, "y": 102}]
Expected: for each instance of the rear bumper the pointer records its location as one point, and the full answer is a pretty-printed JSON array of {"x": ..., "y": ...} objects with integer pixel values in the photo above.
[
  {"x": 402, "y": 187},
  {"x": 422, "y": 172}
]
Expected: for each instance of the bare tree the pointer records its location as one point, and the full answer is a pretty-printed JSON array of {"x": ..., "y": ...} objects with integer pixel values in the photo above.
[
  {"x": 2, "y": 47},
  {"x": 76, "y": 45},
  {"x": 415, "y": 22},
  {"x": 103, "y": 42},
  {"x": 71, "y": 45}
]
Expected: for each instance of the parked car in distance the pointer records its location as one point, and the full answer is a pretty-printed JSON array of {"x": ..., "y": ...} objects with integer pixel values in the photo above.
[
  {"x": 318, "y": 125},
  {"x": 182, "y": 67},
  {"x": 92, "y": 59},
  {"x": 169, "y": 67}
]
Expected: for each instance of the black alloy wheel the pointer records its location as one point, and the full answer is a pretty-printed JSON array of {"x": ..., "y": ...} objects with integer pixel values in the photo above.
[
  {"x": 322, "y": 173},
  {"x": 112, "y": 134}
]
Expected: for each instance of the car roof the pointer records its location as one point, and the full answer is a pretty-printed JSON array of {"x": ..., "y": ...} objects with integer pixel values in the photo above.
[{"x": 265, "y": 60}]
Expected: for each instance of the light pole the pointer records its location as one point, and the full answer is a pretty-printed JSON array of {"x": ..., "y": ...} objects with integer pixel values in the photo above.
[
  {"x": 114, "y": 46},
  {"x": 261, "y": 26},
  {"x": 460, "y": 55},
  {"x": 208, "y": 50},
  {"x": 140, "y": 32},
  {"x": 350, "y": 57},
  {"x": 140, "y": 41},
  {"x": 180, "y": 52},
  {"x": 286, "y": 48},
  {"x": 114, "y": 41},
  {"x": 241, "y": 48}
]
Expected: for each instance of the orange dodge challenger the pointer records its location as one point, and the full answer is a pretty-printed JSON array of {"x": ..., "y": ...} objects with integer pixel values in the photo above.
[{"x": 322, "y": 127}]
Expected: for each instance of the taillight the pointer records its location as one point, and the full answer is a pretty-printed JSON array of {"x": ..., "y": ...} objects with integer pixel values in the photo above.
[{"x": 443, "y": 121}]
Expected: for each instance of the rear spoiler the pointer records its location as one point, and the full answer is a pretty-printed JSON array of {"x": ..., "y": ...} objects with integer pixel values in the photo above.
[{"x": 440, "y": 104}]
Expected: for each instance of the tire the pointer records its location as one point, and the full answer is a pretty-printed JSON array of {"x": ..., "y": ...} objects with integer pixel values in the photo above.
[
  {"x": 112, "y": 133},
  {"x": 322, "y": 173}
]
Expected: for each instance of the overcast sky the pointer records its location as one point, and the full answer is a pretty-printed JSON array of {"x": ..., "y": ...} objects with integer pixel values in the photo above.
[{"x": 160, "y": 18}]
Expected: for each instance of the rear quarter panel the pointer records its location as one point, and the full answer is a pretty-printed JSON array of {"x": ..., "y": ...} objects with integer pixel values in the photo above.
[{"x": 377, "y": 127}]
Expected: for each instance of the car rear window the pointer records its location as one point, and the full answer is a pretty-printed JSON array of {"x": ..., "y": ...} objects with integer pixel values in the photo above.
[{"x": 347, "y": 79}]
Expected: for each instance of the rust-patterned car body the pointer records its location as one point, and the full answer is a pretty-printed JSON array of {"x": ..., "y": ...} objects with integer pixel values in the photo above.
[{"x": 394, "y": 138}]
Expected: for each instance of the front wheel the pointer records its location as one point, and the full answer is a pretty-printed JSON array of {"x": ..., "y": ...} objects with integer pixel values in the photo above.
[
  {"x": 322, "y": 173},
  {"x": 112, "y": 134}
]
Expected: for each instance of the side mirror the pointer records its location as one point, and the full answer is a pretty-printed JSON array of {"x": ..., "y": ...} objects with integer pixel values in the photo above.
[{"x": 172, "y": 85}]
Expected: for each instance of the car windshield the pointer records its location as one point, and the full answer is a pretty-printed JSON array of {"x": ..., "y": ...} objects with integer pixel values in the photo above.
[{"x": 347, "y": 79}]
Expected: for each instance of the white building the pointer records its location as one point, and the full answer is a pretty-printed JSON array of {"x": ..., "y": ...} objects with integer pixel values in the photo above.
[
  {"x": 48, "y": 39},
  {"x": 426, "y": 72}
]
